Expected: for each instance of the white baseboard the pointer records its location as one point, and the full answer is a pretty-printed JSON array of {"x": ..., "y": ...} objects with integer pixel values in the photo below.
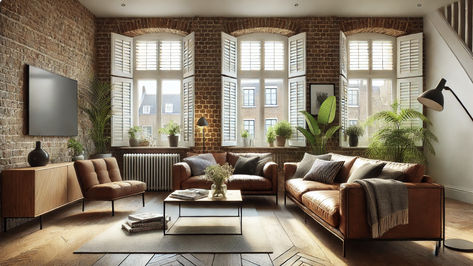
[{"x": 459, "y": 193}]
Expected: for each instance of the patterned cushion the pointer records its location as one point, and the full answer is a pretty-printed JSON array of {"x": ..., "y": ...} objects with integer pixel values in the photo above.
[
  {"x": 304, "y": 166},
  {"x": 198, "y": 163},
  {"x": 324, "y": 171}
]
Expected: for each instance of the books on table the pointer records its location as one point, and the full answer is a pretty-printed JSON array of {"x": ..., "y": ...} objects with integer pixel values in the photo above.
[
  {"x": 146, "y": 221},
  {"x": 190, "y": 194}
]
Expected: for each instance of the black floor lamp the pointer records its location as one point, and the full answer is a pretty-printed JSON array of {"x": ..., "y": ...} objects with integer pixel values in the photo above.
[
  {"x": 433, "y": 99},
  {"x": 203, "y": 123}
]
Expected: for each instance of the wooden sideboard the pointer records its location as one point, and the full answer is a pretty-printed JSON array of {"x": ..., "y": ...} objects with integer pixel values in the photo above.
[{"x": 31, "y": 192}]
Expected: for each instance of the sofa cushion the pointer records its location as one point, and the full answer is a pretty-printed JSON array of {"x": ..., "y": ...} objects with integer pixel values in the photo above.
[
  {"x": 308, "y": 160},
  {"x": 325, "y": 204},
  {"x": 86, "y": 174},
  {"x": 113, "y": 169},
  {"x": 414, "y": 172},
  {"x": 264, "y": 158},
  {"x": 114, "y": 190},
  {"x": 343, "y": 175},
  {"x": 367, "y": 170},
  {"x": 392, "y": 174},
  {"x": 199, "y": 181},
  {"x": 246, "y": 165},
  {"x": 249, "y": 183},
  {"x": 101, "y": 170},
  {"x": 296, "y": 187},
  {"x": 198, "y": 163},
  {"x": 220, "y": 157},
  {"x": 324, "y": 171}
]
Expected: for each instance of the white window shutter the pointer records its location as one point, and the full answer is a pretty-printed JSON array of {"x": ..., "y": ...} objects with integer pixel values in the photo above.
[
  {"x": 229, "y": 55},
  {"x": 188, "y": 55},
  {"x": 297, "y": 103},
  {"x": 343, "y": 104},
  {"x": 229, "y": 111},
  {"x": 297, "y": 55},
  {"x": 188, "y": 91},
  {"x": 146, "y": 55},
  {"x": 408, "y": 91},
  {"x": 359, "y": 58},
  {"x": 343, "y": 54},
  {"x": 121, "y": 56},
  {"x": 409, "y": 56},
  {"x": 122, "y": 91}
]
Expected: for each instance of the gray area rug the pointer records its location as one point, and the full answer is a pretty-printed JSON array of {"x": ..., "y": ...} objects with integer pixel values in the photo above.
[{"x": 253, "y": 240}]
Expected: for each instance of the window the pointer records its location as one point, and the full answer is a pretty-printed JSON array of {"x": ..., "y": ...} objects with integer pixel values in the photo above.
[
  {"x": 274, "y": 55},
  {"x": 269, "y": 122},
  {"x": 146, "y": 109},
  {"x": 146, "y": 55},
  {"x": 271, "y": 96},
  {"x": 352, "y": 122},
  {"x": 168, "y": 108},
  {"x": 249, "y": 125},
  {"x": 147, "y": 131},
  {"x": 353, "y": 97},
  {"x": 170, "y": 55},
  {"x": 248, "y": 97},
  {"x": 358, "y": 54},
  {"x": 250, "y": 55}
]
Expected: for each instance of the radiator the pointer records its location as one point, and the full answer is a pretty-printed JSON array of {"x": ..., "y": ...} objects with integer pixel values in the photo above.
[{"x": 155, "y": 169}]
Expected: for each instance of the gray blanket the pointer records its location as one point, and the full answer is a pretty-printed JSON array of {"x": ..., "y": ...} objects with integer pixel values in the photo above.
[{"x": 387, "y": 204}]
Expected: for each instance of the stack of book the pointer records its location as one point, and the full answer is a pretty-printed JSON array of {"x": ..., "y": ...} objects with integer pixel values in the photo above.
[
  {"x": 144, "y": 222},
  {"x": 190, "y": 194}
]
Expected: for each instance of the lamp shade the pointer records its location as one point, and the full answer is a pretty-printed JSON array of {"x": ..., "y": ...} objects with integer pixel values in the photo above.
[
  {"x": 202, "y": 122},
  {"x": 433, "y": 98}
]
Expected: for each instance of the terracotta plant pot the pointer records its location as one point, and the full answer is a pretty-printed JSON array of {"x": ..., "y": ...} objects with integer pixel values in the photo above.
[
  {"x": 353, "y": 140},
  {"x": 280, "y": 141},
  {"x": 173, "y": 141},
  {"x": 134, "y": 142}
]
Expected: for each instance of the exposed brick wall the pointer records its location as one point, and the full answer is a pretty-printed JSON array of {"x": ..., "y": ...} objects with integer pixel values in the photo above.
[
  {"x": 322, "y": 51},
  {"x": 57, "y": 36}
]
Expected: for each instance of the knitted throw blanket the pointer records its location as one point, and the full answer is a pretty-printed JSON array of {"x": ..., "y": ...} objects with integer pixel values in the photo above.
[{"x": 387, "y": 204}]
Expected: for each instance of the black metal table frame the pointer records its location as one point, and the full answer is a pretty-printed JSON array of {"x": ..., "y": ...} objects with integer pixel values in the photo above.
[{"x": 240, "y": 216}]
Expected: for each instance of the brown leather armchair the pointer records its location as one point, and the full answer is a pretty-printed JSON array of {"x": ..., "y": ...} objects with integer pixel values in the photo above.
[{"x": 100, "y": 179}]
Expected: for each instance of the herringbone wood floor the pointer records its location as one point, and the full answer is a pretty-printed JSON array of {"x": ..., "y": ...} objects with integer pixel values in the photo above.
[{"x": 295, "y": 240}]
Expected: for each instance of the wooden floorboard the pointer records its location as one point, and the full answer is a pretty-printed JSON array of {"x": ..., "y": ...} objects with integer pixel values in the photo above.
[{"x": 295, "y": 240}]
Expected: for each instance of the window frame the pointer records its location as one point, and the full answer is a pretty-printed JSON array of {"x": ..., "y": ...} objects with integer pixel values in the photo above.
[
  {"x": 266, "y": 119},
  {"x": 253, "y": 104},
  {"x": 266, "y": 88},
  {"x": 252, "y": 134}
]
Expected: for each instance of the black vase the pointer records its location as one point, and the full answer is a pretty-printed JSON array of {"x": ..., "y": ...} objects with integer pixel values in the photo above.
[
  {"x": 353, "y": 140},
  {"x": 38, "y": 156}
]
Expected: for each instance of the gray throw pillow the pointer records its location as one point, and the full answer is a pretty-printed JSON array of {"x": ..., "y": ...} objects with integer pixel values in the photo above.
[
  {"x": 246, "y": 165},
  {"x": 392, "y": 174},
  {"x": 198, "y": 163},
  {"x": 367, "y": 170},
  {"x": 324, "y": 171},
  {"x": 263, "y": 159},
  {"x": 304, "y": 166}
]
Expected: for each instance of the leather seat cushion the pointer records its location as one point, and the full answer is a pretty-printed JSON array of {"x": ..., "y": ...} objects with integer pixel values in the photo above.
[
  {"x": 198, "y": 181},
  {"x": 249, "y": 183},
  {"x": 325, "y": 204},
  {"x": 297, "y": 187},
  {"x": 113, "y": 190}
]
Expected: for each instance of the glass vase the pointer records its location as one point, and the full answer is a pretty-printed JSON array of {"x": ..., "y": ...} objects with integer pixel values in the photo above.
[{"x": 218, "y": 191}]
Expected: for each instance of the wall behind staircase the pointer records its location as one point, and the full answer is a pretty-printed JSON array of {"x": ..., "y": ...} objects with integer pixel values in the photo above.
[{"x": 452, "y": 165}]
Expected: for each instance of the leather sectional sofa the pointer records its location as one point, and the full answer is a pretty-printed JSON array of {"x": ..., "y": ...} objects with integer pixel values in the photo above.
[
  {"x": 341, "y": 207},
  {"x": 266, "y": 184}
]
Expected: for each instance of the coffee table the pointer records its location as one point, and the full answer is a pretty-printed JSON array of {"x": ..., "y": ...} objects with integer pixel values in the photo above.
[{"x": 233, "y": 199}]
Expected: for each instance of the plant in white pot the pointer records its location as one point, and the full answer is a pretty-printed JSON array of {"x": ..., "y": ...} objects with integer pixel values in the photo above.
[
  {"x": 172, "y": 130},
  {"x": 283, "y": 132},
  {"x": 133, "y": 135},
  {"x": 77, "y": 149},
  {"x": 245, "y": 136},
  {"x": 270, "y": 136}
]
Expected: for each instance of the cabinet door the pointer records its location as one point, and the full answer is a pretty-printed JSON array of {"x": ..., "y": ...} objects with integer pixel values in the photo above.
[
  {"x": 50, "y": 189},
  {"x": 73, "y": 188}
]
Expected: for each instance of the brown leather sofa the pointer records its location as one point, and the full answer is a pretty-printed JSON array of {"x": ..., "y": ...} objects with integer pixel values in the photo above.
[
  {"x": 341, "y": 207},
  {"x": 248, "y": 184},
  {"x": 100, "y": 179}
]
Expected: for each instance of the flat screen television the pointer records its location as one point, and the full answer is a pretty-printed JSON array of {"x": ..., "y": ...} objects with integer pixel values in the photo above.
[{"x": 52, "y": 104}]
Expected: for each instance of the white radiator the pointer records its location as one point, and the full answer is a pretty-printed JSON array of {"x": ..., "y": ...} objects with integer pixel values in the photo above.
[{"x": 155, "y": 169}]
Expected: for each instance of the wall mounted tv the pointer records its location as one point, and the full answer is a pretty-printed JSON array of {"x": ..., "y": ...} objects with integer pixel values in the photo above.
[{"x": 52, "y": 104}]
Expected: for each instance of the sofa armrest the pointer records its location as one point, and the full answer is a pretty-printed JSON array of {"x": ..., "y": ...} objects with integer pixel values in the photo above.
[
  {"x": 180, "y": 172},
  {"x": 270, "y": 171},
  {"x": 289, "y": 170},
  {"x": 427, "y": 179},
  {"x": 425, "y": 212}
]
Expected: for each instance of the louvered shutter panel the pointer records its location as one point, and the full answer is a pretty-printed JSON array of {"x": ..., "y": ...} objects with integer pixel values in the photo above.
[
  {"x": 343, "y": 104},
  {"x": 170, "y": 55},
  {"x": 229, "y": 55},
  {"x": 297, "y": 103},
  {"x": 250, "y": 55},
  {"x": 188, "y": 63},
  {"x": 297, "y": 55},
  {"x": 274, "y": 55},
  {"x": 121, "y": 56},
  {"x": 409, "y": 56},
  {"x": 382, "y": 55},
  {"x": 229, "y": 111},
  {"x": 122, "y": 89},
  {"x": 359, "y": 58},
  {"x": 146, "y": 55},
  {"x": 343, "y": 55},
  {"x": 408, "y": 91},
  {"x": 188, "y": 111}
]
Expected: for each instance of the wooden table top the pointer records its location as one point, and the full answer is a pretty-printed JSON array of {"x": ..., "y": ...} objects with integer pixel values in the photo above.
[{"x": 232, "y": 196}]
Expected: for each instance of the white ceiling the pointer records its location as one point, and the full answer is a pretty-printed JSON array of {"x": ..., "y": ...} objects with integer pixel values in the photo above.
[{"x": 264, "y": 8}]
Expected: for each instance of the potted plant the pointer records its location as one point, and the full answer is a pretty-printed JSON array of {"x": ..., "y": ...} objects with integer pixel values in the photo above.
[
  {"x": 283, "y": 132},
  {"x": 271, "y": 136},
  {"x": 77, "y": 149},
  {"x": 171, "y": 129},
  {"x": 245, "y": 137},
  {"x": 319, "y": 130},
  {"x": 397, "y": 140},
  {"x": 353, "y": 133},
  {"x": 218, "y": 174},
  {"x": 133, "y": 134},
  {"x": 98, "y": 107}
]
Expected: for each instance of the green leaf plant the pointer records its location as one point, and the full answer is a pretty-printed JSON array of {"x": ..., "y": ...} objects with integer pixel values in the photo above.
[{"x": 320, "y": 130}]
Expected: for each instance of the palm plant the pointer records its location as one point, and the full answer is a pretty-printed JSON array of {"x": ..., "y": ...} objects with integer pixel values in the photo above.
[
  {"x": 395, "y": 141},
  {"x": 98, "y": 107},
  {"x": 320, "y": 131}
]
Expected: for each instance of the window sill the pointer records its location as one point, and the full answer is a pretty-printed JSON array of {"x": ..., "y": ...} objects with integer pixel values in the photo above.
[
  {"x": 248, "y": 107},
  {"x": 271, "y": 106},
  {"x": 151, "y": 148}
]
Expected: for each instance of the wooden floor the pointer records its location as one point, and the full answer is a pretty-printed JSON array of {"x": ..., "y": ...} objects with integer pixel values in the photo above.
[{"x": 295, "y": 240}]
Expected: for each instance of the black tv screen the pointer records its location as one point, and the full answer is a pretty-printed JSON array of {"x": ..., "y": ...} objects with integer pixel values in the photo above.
[{"x": 52, "y": 104}]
